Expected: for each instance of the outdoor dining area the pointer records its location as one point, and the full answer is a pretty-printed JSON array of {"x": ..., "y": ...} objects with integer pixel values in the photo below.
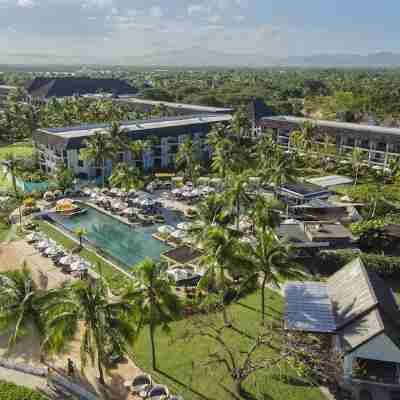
[
  {"x": 62, "y": 258},
  {"x": 144, "y": 387}
]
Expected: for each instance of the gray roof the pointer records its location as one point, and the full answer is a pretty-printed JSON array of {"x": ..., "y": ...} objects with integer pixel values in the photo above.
[
  {"x": 294, "y": 233},
  {"x": 333, "y": 125},
  {"x": 361, "y": 304},
  {"x": 309, "y": 307},
  {"x": 331, "y": 180},
  {"x": 73, "y": 137},
  {"x": 193, "y": 107}
]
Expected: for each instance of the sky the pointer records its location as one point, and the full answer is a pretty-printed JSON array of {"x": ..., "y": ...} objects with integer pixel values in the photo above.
[{"x": 84, "y": 30}]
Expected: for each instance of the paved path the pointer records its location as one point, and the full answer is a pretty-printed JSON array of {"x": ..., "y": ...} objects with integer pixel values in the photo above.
[{"x": 19, "y": 378}]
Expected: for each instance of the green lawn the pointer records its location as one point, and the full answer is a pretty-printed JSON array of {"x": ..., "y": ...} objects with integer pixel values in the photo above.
[
  {"x": 20, "y": 149},
  {"x": 113, "y": 276},
  {"x": 180, "y": 361},
  {"x": 10, "y": 391}
]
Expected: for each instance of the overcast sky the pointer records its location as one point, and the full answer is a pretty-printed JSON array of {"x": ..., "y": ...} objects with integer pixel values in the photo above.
[{"x": 93, "y": 29}]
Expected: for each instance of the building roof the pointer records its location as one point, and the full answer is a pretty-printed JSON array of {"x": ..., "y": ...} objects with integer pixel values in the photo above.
[
  {"x": 74, "y": 137},
  {"x": 295, "y": 234},
  {"x": 330, "y": 181},
  {"x": 189, "y": 107},
  {"x": 71, "y": 86},
  {"x": 303, "y": 189},
  {"x": 182, "y": 255},
  {"x": 317, "y": 231},
  {"x": 309, "y": 307},
  {"x": 289, "y": 121},
  {"x": 362, "y": 306}
]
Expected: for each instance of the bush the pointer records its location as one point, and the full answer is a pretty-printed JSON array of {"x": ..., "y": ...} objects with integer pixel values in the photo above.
[
  {"x": 327, "y": 263},
  {"x": 10, "y": 391}
]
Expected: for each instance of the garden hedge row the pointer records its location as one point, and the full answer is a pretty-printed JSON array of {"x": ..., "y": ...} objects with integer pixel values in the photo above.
[
  {"x": 10, "y": 391},
  {"x": 327, "y": 263}
]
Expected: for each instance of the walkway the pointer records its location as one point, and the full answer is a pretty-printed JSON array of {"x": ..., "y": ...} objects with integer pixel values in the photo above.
[{"x": 19, "y": 378}]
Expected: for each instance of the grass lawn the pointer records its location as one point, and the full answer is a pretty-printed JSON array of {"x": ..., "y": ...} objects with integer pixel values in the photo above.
[
  {"x": 113, "y": 276},
  {"x": 179, "y": 361},
  {"x": 19, "y": 149}
]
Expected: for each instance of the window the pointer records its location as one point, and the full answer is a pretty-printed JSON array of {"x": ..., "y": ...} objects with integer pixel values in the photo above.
[
  {"x": 80, "y": 163},
  {"x": 120, "y": 157}
]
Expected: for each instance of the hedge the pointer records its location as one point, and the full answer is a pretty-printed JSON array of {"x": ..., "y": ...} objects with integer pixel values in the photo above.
[
  {"x": 10, "y": 391},
  {"x": 328, "y": 262}
]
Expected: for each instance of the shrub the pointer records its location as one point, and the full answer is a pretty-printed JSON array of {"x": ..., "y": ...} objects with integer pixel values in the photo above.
[{"x": 10, "y": 391}]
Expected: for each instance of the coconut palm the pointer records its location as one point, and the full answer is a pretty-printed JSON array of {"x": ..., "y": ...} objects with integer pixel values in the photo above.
[
  {"x": 13, "y": 167},
  {"x": 223, "y": 260},
  {"x": 189, "y": 158},
  {"x": 127, "y": 177},
  {"x": 99, "y": 148},
  {"x": 268, "y": 258},
  {"x": 241, "y": 122},
  {"x": 154, "y": 299},
  {"x": 263, "y": 213},
  {"x": 236, "y": 192},
  {"x": 104, "y": 323},
  {"x": 18, "y": 294}
]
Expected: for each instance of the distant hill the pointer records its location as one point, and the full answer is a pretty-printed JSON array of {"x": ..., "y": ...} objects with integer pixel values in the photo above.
[{"x": 199, "y": 56}]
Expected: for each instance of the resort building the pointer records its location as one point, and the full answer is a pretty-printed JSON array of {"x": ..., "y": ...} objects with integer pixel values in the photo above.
[
  {"x": 360, "y": 314},
  {"x": 43, "y": 88},
  {"x": 379, "y": 143},
  {"x": 63, "y": 145}
]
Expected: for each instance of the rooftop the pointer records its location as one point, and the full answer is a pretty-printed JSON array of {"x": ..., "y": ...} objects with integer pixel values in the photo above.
[
  {"x": 332, "y": 124},
  {"x": 303, "y": 189},
  {"x": 330, "y": 181},
  {"x": 199, "y": 108},
  {"x": 182, "y": 255}
]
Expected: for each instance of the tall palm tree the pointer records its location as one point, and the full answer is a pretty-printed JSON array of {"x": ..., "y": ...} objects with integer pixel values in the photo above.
[
  {"x": 241, "y": 122},
  {"x": 189, "y": 159},
  {"x": 13, "y": 167},
  {"x": 269, "y": 259},
  {"x": 99, "y": 148},
  {"x": 18, "y": 294},
  {"x": 236, "y": 193},
  {"x": 263, "y": 213},
  {"x": 154, "y": 299},
  {"x": 107, "y": 322},
  {"x": 126, "y": 177},
  {"x": 223, "y": 260}
]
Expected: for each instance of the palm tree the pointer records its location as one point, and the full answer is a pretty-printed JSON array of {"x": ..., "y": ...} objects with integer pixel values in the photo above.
[
  {"x": 155, "y": 301},
  {"x": 269, "y": 258},
  {"x": 13, "y": 167},
  {"x": 357, "y": 157},
  {"x": 126, "y": 177},
  {"x": 108, "y": 322},
  {"x": 99, "y": 147},
  {"x": 222, "y": 258},
  {"x": 189, "y": 158},
  {"x": 263, "y": 213},
  {"x": 241, "y": 122},
  {"x": 18, "y": 294},
  {"x": 236, "y": 192},
  {"x": 80, "y": 232}
]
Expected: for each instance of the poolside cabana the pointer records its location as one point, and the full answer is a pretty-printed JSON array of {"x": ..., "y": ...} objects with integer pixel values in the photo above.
[{"x": 182, "y": 255}]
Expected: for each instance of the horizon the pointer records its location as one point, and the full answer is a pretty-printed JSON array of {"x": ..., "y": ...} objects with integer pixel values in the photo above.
[{"x": 118, "y": 32}]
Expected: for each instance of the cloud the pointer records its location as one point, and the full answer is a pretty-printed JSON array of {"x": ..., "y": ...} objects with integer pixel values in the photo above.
[
  {"x": 156, "y": 11},
  {"x": 26, "y": 3},
  {"x": 195, "y": 9}
]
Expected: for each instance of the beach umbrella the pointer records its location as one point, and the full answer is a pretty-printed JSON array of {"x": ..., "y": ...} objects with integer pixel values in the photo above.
[
  {"x": 184, "y": 226},
  {"x": 67, "y": 260},
  {"x": 178, "y": 234},
  {"x": 128, "y": 211},
  {"x": 165, "y": 229},
  {"x": 80, "y": 265},
  {"x": 34, "y": 237},
  {"x": 52, "y": 251},
  {"x": 44, "y": 244},
  {"x": 48, "y": 196}
]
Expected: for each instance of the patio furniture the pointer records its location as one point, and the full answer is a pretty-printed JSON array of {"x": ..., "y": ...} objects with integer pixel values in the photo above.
[
  {"x": 158, "y": 392},
  {"x": 141, "y": 383}
]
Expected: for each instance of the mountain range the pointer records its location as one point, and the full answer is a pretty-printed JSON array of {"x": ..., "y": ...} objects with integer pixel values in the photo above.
[{"x": 203, "y": 57}]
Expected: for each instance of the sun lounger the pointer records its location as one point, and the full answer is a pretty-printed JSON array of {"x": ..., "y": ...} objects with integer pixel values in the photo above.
[{"x": 158, "y": 392}]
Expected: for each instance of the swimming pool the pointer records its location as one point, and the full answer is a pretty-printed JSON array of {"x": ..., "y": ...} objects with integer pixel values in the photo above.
[{"x": 127, "y": 244}]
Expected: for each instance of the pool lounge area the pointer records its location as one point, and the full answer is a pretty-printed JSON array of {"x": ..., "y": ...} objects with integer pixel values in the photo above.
[{"x": 125, "y": 243}]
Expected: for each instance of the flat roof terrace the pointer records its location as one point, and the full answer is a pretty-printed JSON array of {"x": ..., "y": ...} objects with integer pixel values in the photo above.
[
  {"x": 289, "y": 122},
  {"x": 73, "y": 137}
]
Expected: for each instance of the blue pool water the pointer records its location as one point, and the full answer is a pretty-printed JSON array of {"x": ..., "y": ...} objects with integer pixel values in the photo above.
[{"x": 127, "y": 244}]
